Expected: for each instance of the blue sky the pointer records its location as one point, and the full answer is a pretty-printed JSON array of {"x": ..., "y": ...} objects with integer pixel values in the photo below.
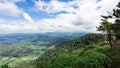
[
  {"x": 39, "y": 16},
  {"x": 28, "y": 4}
]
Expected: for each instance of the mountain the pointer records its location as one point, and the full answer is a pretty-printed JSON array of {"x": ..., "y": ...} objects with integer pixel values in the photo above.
[
  {"x": 50, "y": 38},
  {"x": 66, "y": 55},
  {"x": 22, "y": 47},
  {"x": 83, "y": 52}
]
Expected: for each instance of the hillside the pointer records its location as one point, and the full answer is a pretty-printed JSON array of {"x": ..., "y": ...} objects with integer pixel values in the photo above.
[
  {"x": 88, "y": 51},
  {"x": 17, "y": 48},
  {"x": 77, "y": 44},
  {"x": 96, "y": 55}
]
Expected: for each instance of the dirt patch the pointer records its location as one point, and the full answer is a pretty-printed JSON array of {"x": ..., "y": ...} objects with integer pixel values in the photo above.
[
  {"x": 116, "y": 45},
  {"x": 118, "y": 65}
]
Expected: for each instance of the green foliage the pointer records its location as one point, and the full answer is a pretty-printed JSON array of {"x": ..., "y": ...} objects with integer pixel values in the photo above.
[
  {"x": 70, "y": 56},
  {"x": 106, "y": 27},
  {"x": 4, "y": 66},
  {"x": 111, "y": 28},
  {"x": 93, "y": 59},
  {"x": 89, "y": 59},
  {"x": 116, "y": 25},
  {"x": 70, "y": 47},
  {"x": 92, "y": 55},
  {"x": 83, "y": 41},
  {"x": 62, "y": 61},
  {"x": 114, "y": 54}
]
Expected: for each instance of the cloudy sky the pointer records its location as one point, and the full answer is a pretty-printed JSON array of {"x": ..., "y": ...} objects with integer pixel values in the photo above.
[{"x": 39, "y": 16}]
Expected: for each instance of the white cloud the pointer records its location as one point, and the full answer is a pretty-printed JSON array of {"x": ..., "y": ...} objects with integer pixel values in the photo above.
[
  {"x": 9, "y": 8},
  {"x": 11, "y": 0},
  {"x": 85, "y": 17},
  {"x": 27, "y": 17},
  {"x": 82, "y": 16},
  {"x": 55, "y": 6},
  {"x": 17, "y": 26}
]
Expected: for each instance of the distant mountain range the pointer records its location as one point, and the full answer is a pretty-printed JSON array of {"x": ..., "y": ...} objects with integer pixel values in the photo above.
[{"x": 49, "y": 38}]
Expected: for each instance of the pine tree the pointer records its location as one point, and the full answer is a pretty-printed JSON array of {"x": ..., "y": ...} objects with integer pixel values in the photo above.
[
  {"x": 106, "y": 27},
  {"x": 116, "y": 25}
]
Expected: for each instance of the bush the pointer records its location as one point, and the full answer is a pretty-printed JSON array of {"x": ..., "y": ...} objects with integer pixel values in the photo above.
[
  {"x": 5, "y": 66},
  {"x": 62, "y": 61},
  {"x": 93, "y": 59}
]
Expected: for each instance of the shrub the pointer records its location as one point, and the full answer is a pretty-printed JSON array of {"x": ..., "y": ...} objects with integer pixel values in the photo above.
[
  {"x": 62, "y": 61},
  {"x": 93, "y": 59},
  {"x": 5, "y": 66}
]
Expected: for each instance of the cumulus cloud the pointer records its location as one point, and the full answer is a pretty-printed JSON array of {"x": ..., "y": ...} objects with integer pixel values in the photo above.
[
  {"x": 55, "y": 6},
  {"x": 9, "y": 8},
  {"x": 27, "y": 17},
  {"x": 13, "y": 1},
  {"x": 17, "y": 27},
  {"x": 81, "y": 16}
]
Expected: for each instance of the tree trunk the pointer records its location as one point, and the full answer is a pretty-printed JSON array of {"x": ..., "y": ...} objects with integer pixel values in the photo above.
[{"x": 109, "y": 38}]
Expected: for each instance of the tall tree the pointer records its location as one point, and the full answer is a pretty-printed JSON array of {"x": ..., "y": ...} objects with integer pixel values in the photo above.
[
  {"x": 106, "y": 27},
  {"x": 116, "y": 25}
]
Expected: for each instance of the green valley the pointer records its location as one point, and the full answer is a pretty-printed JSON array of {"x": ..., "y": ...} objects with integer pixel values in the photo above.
[
  {"x": 59, "y": 34},
  {"x": 20, "y": 52}
]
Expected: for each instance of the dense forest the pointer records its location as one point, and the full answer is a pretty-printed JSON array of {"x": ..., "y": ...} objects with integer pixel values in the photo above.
[{"x": 92, "y": 50}]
